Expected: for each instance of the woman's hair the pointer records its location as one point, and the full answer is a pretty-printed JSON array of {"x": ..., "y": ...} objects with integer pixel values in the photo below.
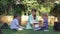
[
  {"x": 15, "y": 16},
  {"x": 34, "y": 10},
  {"x": 34, "y": 16}
]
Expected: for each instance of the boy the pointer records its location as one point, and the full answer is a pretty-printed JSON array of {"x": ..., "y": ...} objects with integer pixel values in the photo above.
[{"x": 15, "y": 23}]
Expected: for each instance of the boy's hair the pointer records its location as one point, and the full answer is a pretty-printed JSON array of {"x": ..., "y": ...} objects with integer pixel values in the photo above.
[
  {"x": 15, "y": 16},
  {"x": 34, "y": 10}
]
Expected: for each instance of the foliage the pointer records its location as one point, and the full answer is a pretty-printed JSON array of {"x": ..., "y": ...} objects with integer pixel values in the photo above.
[
  {"x": 4, "y": 5},
  {"x": 56, "y": 10},
  {"x": 9, "y": 6}
]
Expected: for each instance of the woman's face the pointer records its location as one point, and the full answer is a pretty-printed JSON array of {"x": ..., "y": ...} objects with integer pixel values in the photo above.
[{"x": 33, "y": 13}]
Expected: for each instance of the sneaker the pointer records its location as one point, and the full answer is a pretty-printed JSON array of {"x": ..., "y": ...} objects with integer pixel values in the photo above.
[
  {"x": 46, "y": 30},
  {"x": 20, "y": 29},
  {"x": 36, "y": 29}
]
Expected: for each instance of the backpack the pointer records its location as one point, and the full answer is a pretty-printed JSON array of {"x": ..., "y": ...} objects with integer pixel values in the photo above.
[
  {"x": 4, "y": 26},
  {"x": 56, "y": 26}
]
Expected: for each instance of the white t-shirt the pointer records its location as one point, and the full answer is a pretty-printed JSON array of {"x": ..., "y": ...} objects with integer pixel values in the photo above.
[
  {"x": 14, "y": 24},
  {"x": 36, "y": 25},
  {"x": 34, "y": 21}
]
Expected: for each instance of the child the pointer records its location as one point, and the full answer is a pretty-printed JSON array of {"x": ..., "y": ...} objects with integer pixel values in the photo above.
[
  {"x": 45, "y": 18},
  {"x": 41, "y": 23},
  {"x": 39, "y": 26},
  {"x": 15, "y": 23}
]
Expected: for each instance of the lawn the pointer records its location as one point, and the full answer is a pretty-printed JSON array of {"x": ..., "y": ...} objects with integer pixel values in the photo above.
[{"x": 9, "y": 31}]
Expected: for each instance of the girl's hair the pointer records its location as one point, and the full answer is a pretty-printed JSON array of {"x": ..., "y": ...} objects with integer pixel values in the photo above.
[
  {"x": 34, "y": 10},
  {"x": 15, "y": 16},
  {"x": 45, "y": 14}
]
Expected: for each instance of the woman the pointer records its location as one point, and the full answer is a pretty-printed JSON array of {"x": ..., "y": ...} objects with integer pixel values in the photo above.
[
  {"x": 15, "y": 23},
  {"x": 32, "y": 19}
]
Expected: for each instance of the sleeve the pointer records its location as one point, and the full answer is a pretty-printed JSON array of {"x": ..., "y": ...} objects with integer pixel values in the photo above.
[
  {"x": 30, "y": 20},
  {"x": 16, "y": 22},
  {"x": 37, "y": 19}
]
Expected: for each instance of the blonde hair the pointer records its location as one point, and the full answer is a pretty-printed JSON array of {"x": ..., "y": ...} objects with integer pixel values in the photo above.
[{"x": 45, "y": 14}]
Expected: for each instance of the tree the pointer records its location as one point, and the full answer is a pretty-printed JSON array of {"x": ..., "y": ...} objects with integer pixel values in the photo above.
[
  {"x": 2, "y": 8},
  {"x": 56, "y": 11},
  {"x": 5, "y": 6}
]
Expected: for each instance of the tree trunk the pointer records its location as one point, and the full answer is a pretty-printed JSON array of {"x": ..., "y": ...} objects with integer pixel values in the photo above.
[{"x": 5, "y": 13}]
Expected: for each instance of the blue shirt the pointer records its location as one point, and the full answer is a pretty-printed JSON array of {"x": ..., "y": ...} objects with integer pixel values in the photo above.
[
  {"x": 14, "y": 24},
  {"x": 45, "y": 21}
]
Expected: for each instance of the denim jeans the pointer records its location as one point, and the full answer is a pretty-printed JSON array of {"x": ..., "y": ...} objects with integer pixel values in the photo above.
[{"x": 44, "y": 28}]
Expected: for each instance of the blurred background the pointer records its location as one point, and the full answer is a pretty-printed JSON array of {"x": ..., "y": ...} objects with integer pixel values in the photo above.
[{"x": 23, "y": 7}]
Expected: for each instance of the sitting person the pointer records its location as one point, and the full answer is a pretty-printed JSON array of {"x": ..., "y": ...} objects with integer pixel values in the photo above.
[
  {"x": 15, "y": 23},
  {"x": 36, "y": 24},
  {"x": 32, "y": 19},
  {"x": 45, "y": 19},
  {"x": 41, "y": 23}
]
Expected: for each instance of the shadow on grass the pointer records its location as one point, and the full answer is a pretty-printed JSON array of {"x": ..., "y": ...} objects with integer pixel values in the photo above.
[{"x": 9, "y": 31}]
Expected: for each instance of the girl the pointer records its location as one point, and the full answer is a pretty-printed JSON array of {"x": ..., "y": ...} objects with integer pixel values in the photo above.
[
  {"x": 15, "y": 23},
  {"x": 45, "y": 18}
]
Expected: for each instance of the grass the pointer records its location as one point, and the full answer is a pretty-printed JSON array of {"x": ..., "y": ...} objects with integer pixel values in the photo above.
[{"x": 9, "y": 31}]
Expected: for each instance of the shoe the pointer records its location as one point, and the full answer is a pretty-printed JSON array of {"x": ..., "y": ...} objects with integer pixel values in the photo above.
[
  {"x": 20, "y": 29},
  {"x": 46, "y": 30}
]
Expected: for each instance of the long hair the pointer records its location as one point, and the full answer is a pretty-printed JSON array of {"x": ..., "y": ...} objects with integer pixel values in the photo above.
[{"x": 34, "y": 15}]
